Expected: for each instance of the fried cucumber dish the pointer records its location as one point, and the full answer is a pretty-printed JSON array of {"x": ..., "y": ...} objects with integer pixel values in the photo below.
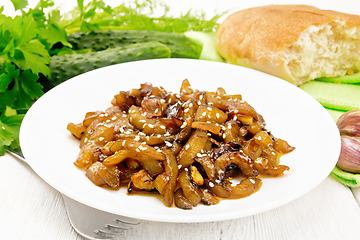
[{"x": 189, "y": 148}]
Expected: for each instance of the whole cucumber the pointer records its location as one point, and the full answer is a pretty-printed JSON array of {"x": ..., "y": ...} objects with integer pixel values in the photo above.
[
  {"x": 180, "y": 45},
  {"x": 68, "y": 66}
]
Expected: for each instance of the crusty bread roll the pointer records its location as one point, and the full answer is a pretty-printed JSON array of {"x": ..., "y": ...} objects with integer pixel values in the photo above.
[{"x": 297, "y": 43}]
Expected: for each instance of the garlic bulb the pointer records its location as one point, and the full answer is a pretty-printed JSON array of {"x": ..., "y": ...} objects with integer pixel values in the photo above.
[
  {"x": 349, "y": 159},
  {"x": 349, "y": 127},
  {"x": 349, "y": 123}
]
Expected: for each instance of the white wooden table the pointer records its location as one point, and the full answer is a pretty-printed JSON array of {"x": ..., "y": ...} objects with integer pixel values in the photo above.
[{"x": 31, "y": 209}]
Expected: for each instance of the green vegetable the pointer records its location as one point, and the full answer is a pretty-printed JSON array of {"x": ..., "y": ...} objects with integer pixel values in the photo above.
[
  {"x": 25, "y": 49},
  {"x": 353, "y": 78},
  {"x": 179, "y": 44},
  {"x": 68, "y": 66},
  {"x": 9, "y": 130},
  {"x": 335, "y": 114},
  {"x": 32, "y": 40},
  {"x": 136, "y": 15},
  {"x": 342, "y": 97},
  {"x": 208, "y": 42}
]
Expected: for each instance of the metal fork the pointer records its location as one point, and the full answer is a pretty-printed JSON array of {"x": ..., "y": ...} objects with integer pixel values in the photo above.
[{"x": 89, "y": 222}]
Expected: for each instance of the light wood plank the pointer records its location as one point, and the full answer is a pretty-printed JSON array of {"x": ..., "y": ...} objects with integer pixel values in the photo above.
[{"x": 31, "y": 209}]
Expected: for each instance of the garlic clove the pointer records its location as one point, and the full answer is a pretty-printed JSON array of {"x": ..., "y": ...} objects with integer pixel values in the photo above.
[
  {"x": 349, "y": 159},
  {"x": 349, "y": 123}
]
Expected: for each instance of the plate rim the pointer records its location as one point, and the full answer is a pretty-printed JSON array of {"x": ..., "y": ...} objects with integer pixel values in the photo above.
[{"x": 180, "y": 61}]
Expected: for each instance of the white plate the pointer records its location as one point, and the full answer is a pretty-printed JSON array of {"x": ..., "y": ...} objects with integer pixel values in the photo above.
[{"x": 290, "y": 114}]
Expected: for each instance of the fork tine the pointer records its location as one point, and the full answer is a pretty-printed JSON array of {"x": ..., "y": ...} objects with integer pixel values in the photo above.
[
  {"x": 85, "y": 220},
  {"x": 107, "y": 235},
  {"x": 126, "y": 221},
  {"x": 116, "y": 228}
]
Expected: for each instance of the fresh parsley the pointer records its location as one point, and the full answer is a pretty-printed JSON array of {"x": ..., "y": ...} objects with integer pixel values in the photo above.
[{"x": 29, "y": 39}]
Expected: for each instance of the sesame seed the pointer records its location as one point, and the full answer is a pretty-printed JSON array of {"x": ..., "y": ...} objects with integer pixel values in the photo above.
[
  {"x": 252, "y": 181},
  {"x": 187, "y": 147},
  {"x": 203, "y": 114},
  {"x": 162, "y": 127},
  {"x": 101, "y": 138},
  {"x": 142, "y": 148},
  {"x": 218, "y": 115},
  {"x": 179, "y": 166},
  {"x": 211, "y": 184},
  {"x": 209, "y": 108},
  {"x": 186, "y": 110},
  {"x": 114, "y": 118}
]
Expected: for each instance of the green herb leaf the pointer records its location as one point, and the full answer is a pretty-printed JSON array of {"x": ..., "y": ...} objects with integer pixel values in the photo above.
[
  {"x": 30, "y": 85},
  {"x": 19, "y": 4},
  {"x": 7, "y": 76},
  {"x": 36, "y": 57},
  {"x": 9, "y": 131}
]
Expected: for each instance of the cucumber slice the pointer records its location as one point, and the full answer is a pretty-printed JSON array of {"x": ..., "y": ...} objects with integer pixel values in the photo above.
[
  {"x": 353, "y": 78},
  {"x": 343, "y": 97}
]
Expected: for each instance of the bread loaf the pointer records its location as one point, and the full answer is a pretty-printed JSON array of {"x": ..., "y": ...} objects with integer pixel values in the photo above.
[{"x": 297, "y": 43}]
